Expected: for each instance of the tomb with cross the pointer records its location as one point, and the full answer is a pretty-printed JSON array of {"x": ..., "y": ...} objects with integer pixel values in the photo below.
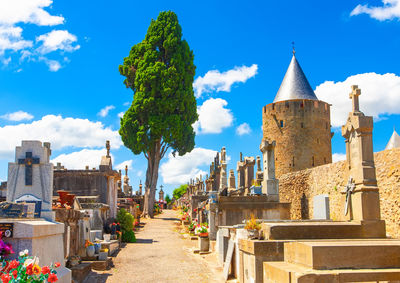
[
  {"x": 362, "y": 194},
  {"x": 30, "y": 178}
]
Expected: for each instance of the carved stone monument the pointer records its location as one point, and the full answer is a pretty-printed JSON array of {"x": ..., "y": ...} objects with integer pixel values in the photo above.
[
  {"x": 249, "y": 163},
  {"x": 30, "y": 178},
  {"x": 223, "y": 184},
  {"x": 270, "y": 185},
  {"x": 240, "y": 173},
  {"x": 232, "y": 185},
  {"x": 364, "y": 199}
]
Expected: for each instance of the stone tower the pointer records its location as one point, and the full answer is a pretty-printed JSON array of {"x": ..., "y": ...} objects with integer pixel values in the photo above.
[
  {"x": 161, "y": 194},
  {"x": 299, "y": 123}
]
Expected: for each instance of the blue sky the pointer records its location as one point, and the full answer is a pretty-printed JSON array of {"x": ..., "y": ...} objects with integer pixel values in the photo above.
[{"x": 59, "y": 68}]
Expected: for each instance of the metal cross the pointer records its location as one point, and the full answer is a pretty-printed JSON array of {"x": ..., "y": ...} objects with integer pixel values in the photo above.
[
  {"x": 294, "y": 50},
  {"x": 28, "y": 161},
  {"x": 348, "y": 190}
]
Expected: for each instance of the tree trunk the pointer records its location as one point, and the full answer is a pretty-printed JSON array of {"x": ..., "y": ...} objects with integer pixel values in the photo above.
[{"x": 153, "y": 162}]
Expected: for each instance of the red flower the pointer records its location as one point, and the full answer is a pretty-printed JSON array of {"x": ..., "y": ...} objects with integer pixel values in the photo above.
[
  {"x": 5, "y": 278},
  {"x": 45, "y": 270},
  {"x": 52, "y": 278},
  {"x": 15, "y": 273},
  {"x": 57, "y": 264},
  {"x": 14, "y": 264},
  {"x": 29, "y": 270}
]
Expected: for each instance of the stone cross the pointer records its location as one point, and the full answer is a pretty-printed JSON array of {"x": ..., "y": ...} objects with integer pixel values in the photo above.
[
  {"x": 28, "y": 161},
  {"x": 354, "y": 94},
  {"x": 126, "y": 170},
  {"x": 348, "y": 191},
  {"x": 108, "y": 148}
]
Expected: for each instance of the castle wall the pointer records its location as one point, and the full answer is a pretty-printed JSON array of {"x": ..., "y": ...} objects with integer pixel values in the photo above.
[
  {"x": 302, "y": 131},
  {"x": 300, "y": 187}
]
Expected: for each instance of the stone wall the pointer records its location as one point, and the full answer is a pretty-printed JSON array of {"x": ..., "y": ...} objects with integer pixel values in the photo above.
[
  {"x": 300, "y": 187},
  {"x": 302, "y": 131}
]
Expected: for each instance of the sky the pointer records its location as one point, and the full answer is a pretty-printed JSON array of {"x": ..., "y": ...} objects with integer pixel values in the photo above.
[{"x": 59, "y": 78}]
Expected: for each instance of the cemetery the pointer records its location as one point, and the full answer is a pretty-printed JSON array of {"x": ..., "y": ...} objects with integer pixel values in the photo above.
[{"x": 293, "y": 213}]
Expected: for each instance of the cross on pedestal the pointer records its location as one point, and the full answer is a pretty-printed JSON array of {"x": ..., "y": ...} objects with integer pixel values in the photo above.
[
  {"x": 28, "y": 161},
  {"x": 354, "y": 94}
]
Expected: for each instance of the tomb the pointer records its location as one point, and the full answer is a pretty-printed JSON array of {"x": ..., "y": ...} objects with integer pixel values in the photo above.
[
  {"x": 30, "y": 184},
  {"x": 355, "y": 250},
  {"x": 101, "y": 183}
]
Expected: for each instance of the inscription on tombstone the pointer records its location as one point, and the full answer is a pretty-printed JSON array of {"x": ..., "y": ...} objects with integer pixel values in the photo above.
[{"x": 11, "y": 210}]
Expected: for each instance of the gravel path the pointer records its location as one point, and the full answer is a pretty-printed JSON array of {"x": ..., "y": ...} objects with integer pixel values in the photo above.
[{"x": 161, "y": 254}]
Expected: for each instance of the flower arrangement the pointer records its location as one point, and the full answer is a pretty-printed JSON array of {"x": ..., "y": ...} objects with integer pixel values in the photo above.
[
  {"x": 88, "y": 243},
  {"x": 201, "y": 228},
  {"x": 5, "y": 248},
  {"x": 252, "y": 224},
  {"x": 26, "y": 269}
]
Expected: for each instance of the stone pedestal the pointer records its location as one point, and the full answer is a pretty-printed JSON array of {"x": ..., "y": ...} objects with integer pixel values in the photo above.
[
  {"x": 204, "y": 244},
  {"x": 43, "y": 239}
]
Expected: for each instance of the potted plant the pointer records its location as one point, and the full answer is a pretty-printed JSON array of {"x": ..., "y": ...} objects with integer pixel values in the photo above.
[
  {"x": 90, "y": 250},
  {"x": 204, "y": 240},
  {"x": 253, "y": 228}
]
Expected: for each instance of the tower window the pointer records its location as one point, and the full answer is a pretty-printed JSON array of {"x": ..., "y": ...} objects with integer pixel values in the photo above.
[
  {"x": 302, "y": 124},
  {"x": 313, "y": 163},
  {"x": 273, "y": 106},
  {"x": 324, "y": 160},
  {"x": 293, "y": 161},
  {"x": 281, "y": 123}
]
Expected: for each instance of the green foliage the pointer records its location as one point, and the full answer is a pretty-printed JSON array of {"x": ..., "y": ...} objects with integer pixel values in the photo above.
[
  {"x": 160, "y": 72},
  {"x": 126, "y": 221},
  {"x": 128, "y": 237},
  {"x": 167, "y": 198},
  {"x": 180, "y": 191}
]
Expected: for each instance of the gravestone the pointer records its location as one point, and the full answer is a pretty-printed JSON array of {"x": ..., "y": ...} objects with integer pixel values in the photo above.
[
  {"x": 30, "y": 178},
  {"x": 321, "y": 207},
  {"x": 364, "y": 198}
]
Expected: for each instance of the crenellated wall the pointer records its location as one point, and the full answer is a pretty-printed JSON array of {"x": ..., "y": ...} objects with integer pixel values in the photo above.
[
  {"x": 302, "y": 131},
  {"x": 300, "y": 187}
]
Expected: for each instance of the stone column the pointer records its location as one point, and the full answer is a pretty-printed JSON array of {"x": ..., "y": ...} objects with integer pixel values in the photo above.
[
  {"x": 240, "y": 172},
  {"x": 232, "y": 185},
  {"x": 249, "y": 163},
  {"x": 223, "y": 174},
  {"x": 270, "y": 185},
  {"x": 259, "y": 173},
  {"x": 364, "y": 198}
]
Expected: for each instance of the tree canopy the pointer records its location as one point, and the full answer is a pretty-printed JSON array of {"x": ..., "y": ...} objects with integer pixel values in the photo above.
[
  {"x": 167, "y": 198},
  {"x": 160, "y": 72},
  {"x": 180, "y": 191}
]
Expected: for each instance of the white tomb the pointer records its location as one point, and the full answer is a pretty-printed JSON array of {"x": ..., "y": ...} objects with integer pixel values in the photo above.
[{"x": 30, "y": 180}]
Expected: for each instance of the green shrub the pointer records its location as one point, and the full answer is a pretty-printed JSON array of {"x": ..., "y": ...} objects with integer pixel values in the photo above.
[
  {"x": 126, "y": 220},
  {"x": 128, "y": 237}
]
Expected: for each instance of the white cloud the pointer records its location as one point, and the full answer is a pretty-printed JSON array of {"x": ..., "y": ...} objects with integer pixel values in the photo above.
[
  {"x": 57, "y": 40},
  {"x": 11, "y": 38},
  {"x": 338, "y": 157},
  {"x": 14, "y": 13},
  {"x": 243, "y": 129},
  {"x": 122, "y": 165},
  {"x": 104, "y": 112},
  {"x": 214, "y": 80},
  {"x": 81, "y": 159},
  {"x": 127, "y": 103},
  {"x": 17, "y": 116},
  {"x": 139, "y": 173},
  {"x": 388, "y": 11},
  {"x": 213, "y": 117},
  {"x": 180, "y": 169},
  {"x": 61, "y": 132},
  {"x": 379, "y": 96},
  {"x": 121, "y": 114},
  {"x": 27, "y": 11},
  {"x": 53, "y": 65}
]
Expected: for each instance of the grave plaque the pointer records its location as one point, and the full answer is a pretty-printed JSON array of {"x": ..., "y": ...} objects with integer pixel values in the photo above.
[
  {"x": 228, "y": 259},
  {"x": 7, "y": 229},
  {"x": 11, "y": 210}
]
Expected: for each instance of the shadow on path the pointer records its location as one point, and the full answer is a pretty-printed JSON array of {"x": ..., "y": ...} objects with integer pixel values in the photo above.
[
  {"x": 145, "y": 241},
  {"x": 171, "y": 219}
]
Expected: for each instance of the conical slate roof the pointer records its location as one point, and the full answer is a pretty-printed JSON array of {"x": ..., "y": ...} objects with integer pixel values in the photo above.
[
  {"x": 394, "y": 141},
  {"x": 295, "y": 84}
]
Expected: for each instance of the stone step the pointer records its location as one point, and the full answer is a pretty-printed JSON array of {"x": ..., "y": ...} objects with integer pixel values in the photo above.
[
  {"x": 284, "y": 272},
  {"x": 298, "y": 230},
  {"x": 335, "y": 254}
]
